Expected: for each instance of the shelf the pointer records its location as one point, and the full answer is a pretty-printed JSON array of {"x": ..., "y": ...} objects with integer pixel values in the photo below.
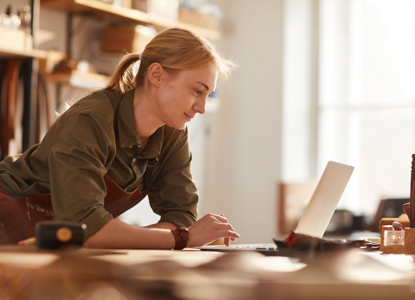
[
  {"x": 78, "y": 79},
  {"x": 8, "y": 53},
  {"x": 99, "y": 8}
]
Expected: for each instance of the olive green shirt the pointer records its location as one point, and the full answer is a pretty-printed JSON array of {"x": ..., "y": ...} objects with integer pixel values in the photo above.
[{"x": 97, "y": 136}]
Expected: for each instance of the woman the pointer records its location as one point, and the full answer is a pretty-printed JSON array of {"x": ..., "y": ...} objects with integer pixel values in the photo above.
[{"x": 111, "y": 148}]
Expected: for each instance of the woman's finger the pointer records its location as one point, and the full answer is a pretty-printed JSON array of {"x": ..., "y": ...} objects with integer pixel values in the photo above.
[
  {"x": 221, "y": 218},
  {"x": 224, "y": 226},
  {"x": 225, "y": 230},
  {"x": 226, "y": 241},
  {"x": 229, "y": 234}
]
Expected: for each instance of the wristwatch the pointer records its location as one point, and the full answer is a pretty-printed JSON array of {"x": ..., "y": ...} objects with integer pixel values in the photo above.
[{"x": 181, "y": 236}]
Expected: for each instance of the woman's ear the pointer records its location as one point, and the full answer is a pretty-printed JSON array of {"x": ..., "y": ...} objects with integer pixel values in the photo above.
[{"x": 155, "y": 71}]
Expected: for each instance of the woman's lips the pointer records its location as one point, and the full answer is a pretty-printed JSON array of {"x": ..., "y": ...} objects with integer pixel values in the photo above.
[{"x": 189, "y": 118}]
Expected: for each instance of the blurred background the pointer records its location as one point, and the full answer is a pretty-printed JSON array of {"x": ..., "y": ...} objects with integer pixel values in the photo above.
[{"x": 317, "y": 80}]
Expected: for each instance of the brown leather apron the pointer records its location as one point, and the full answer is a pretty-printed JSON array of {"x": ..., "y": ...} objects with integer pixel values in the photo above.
[{"x": 18, "y": 216}]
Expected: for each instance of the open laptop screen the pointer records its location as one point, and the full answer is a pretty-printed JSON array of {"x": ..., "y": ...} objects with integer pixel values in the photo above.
[{"x": 325, "y": 199}]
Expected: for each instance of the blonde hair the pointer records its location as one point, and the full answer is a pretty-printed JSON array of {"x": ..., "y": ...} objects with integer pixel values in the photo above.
[{"x": 175, "y": 49}]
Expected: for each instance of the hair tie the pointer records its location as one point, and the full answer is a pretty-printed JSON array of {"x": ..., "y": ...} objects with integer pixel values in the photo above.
[{"x": 136, "y": 66}]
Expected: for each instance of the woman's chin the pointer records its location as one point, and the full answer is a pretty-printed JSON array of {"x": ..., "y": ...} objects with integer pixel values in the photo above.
[{"x": 178, "y": 126}]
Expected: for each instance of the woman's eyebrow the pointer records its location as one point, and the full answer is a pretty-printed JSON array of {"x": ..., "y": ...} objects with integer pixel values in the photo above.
[{"x": 206, "y": 87}]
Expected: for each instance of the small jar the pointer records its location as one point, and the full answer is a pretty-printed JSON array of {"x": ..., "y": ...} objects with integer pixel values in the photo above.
[{"x": 393, "y": 237}]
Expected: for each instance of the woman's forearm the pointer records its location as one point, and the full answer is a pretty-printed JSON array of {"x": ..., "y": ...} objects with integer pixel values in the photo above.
[
  {"x": 117, "y": 234},
  {"x": 162, "y": 225}
]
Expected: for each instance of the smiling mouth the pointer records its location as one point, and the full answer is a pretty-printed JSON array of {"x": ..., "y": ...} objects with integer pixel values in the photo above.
[{"x": 189, "y": 118}]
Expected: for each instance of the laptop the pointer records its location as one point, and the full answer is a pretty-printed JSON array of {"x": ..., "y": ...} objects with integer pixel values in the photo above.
[{"x": 317, "y": 215}]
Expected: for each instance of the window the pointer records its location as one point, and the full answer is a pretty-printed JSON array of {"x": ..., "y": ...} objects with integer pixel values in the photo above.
[{"x": 366, "y": 96}]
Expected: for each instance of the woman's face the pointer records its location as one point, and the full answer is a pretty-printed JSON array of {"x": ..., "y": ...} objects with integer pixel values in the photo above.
[{"x": 183, "y": 94}]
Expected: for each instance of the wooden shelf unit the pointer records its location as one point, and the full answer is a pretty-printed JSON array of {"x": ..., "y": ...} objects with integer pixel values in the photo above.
[
  {"x": 8, "y": 53},
  {"x": 102, "y": 9},
  {"x": 79, "y": 79}
]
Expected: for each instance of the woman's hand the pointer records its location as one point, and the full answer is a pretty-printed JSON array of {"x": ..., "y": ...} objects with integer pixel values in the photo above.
[{"x": 210, "y": 228}]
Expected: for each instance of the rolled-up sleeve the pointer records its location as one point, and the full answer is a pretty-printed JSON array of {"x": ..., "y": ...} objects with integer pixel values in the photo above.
[
  {"x": 173, "y": 194},
  {"x": 77, "y": 165}
]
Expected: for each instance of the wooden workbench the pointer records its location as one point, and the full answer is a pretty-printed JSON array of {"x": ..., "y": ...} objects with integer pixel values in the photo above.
[{"x": 29, "y": 273}]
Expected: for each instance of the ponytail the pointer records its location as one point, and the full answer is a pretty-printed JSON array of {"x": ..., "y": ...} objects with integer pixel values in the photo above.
[{"x": 123, "y": 79}]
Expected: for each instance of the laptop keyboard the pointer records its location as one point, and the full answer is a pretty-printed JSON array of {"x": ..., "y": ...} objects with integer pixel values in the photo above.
[
  {"x": 255, "y": 247},
  {"x": 267, "y": 247}
]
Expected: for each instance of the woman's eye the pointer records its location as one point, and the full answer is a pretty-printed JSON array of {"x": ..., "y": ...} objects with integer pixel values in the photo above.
[{"x": 198, "y": 92}]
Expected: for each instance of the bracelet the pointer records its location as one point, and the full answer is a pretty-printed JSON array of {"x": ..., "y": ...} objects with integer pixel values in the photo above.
[{"x": 181, "y": 236}]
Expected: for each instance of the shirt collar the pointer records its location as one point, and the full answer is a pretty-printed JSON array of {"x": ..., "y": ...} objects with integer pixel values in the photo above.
[
  {"x": 154, "y": 144},
  {"x": 127, "y": 131}
]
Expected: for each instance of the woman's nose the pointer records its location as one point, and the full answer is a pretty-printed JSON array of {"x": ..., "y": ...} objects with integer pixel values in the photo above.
[{"x": 200, "y": 106}]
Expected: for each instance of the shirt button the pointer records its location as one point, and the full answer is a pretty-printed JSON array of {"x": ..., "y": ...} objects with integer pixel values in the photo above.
[{"x": 139, "y": 146}]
